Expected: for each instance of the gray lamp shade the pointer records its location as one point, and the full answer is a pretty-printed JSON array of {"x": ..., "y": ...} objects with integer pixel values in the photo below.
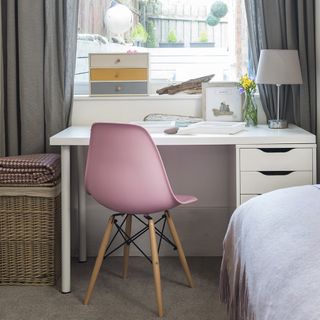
[{"x": 279, "y": 67}]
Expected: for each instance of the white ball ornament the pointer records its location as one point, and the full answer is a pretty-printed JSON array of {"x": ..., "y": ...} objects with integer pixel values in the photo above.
[{"x": 118, "y": 19}]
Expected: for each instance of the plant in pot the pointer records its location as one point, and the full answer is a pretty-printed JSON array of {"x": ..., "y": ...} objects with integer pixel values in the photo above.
[
  {"x": 172, "y": 38},
  {"x": 172, "y": 41},
  {"x": 203, "y": 41},
  {"x": 203, "y": 37}
]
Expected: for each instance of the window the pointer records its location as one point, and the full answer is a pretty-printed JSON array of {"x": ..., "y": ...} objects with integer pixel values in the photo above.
[{"x": 185, "y": 38}]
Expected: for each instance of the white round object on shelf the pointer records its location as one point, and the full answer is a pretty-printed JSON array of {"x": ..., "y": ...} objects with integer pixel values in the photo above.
[{"x": 118, "y": 19}]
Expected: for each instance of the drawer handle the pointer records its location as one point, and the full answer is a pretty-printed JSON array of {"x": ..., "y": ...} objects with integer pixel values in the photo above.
[
  {"x": 116, "y": 75},
  {"x": 118, "y": 88},
  {"x": 276, "y": 173},
  {"x": 275, "y": 150},
  {"x": 117, "y": 61}
]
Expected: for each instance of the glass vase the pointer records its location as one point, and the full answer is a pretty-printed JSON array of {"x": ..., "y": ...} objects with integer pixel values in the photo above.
[{"x": 249, "y": 110}]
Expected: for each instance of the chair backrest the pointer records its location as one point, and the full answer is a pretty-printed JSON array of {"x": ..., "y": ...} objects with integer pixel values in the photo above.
[{"x": 124, "y": 170}]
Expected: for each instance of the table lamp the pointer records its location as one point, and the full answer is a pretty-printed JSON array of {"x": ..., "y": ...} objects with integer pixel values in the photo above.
[{"x": 278, "y": 67}]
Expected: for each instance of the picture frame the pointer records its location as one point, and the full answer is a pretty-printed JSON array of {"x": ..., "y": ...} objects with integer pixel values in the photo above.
[{"x": 221, "y": 101}]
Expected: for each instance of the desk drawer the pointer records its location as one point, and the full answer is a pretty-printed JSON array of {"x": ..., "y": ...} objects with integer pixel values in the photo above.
[
  {"x": 276, "y": 159},
  {"x": 260, "y": 182},
  {"x": 119, "y": 60},
  {"x": 98, "y": 88},
  {"x": 117, "y": 74}
]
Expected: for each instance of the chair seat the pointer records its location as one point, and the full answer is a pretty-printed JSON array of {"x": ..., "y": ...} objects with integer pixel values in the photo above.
[
  {"x": 180, "y": 199},
  {"x": 185, "y": 199}
]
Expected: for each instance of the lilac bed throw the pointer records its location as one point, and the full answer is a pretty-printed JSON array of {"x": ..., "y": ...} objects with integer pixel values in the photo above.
[{"x": 271, "y": 262}]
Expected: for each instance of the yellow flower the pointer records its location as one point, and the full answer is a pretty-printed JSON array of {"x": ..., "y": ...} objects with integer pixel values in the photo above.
[{"x": 247, "y": 84}]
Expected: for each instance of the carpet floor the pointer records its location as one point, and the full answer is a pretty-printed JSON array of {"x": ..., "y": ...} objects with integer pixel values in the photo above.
[{"x": 118, "y": 299}]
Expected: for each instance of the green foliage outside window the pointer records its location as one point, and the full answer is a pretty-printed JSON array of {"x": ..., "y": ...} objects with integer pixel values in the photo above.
[
  {"x": 139, "y": 34},
  {"x": 151, "y": 40}
]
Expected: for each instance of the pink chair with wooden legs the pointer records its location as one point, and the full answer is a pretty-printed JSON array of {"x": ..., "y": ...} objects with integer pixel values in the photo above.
[{"x": 125, "y": 173}]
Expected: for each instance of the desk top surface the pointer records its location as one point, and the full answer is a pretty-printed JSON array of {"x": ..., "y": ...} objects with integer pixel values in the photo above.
[{"x": 80, "y": 136}]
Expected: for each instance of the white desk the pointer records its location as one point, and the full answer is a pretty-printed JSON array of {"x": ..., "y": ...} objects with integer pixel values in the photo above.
[{"x": 289, "y": 155}]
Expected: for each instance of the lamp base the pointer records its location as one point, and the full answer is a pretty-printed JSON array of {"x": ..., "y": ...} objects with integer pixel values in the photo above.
[{"x": 278, "y": 124}]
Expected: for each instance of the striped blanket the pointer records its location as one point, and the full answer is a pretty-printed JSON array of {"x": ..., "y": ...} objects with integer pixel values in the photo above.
[{"x": 30, "y": 169}]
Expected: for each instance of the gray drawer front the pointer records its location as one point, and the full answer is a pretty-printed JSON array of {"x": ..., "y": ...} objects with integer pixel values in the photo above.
[{"x": 119, "y": 88}]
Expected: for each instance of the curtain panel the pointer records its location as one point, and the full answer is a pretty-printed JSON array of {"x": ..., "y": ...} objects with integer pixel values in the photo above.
[
  {"x": 2, "y": 125},
  {"x": 286, "y": 24},
  {"x": 38, "y": 56}
]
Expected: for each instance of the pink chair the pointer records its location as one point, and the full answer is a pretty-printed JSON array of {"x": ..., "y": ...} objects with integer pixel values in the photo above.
[{"x": 125, "y": 173}]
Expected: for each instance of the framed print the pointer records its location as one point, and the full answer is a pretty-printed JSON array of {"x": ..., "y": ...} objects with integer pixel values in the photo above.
[{"x": 221, "y": 101}]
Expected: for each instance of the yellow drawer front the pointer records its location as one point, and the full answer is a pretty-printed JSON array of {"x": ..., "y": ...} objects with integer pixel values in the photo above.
[{"x": 116, "y": 74}]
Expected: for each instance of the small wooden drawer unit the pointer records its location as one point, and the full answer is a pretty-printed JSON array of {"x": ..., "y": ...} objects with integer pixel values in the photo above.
[
  {"x": 266, "y": 168},
  {"x": 118, "y": 74}
]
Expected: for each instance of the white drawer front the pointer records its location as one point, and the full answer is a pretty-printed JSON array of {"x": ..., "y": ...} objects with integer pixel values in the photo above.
[
  {"x": 246, "y": 197},
  {"x": 119, "y": 61},
  {"x": 257, "y": 182},
  {"x": 269, "y": 160}
]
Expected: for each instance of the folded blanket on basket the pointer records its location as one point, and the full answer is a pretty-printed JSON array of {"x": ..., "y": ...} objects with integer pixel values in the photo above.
[{"x": 32, "y": 169}]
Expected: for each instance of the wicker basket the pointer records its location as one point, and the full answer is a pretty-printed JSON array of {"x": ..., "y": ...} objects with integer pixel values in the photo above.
[{"x": 29, "y": 235}]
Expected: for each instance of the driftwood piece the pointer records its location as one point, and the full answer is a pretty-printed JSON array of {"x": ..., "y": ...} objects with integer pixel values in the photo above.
[
  {"x": 192, "y": 84},
  {"x": 193, "y": 91}
]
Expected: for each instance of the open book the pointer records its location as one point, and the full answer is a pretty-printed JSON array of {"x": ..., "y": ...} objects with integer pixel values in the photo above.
[
  {"x": 213, "y": 127},
  {"x": 203, "y": 127}
]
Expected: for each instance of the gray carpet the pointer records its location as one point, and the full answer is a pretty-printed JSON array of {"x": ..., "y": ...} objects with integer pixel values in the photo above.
[{"x": 118, "y": 299}]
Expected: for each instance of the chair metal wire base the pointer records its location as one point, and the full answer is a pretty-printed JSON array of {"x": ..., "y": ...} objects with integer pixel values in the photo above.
[
  {"x": 104, "y": 250},
  {"x": 131, "y": 239}
]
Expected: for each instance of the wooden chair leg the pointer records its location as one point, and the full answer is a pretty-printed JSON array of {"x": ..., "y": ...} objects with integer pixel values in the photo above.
[
  {"x": 126, "y": 247},
  {"x": 156, "y": 266},
  {"x": 182, "y": 256},
  {"x": 99, "y": 259}
]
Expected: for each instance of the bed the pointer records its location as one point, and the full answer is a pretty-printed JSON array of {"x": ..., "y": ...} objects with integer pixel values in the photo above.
[{"x": 271, "y": 260}]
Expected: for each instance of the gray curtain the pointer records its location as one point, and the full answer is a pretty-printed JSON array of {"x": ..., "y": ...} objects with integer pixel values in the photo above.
[
  {"x": 39, "y": 52},
  {"x": 286, "y": 24},
  {"x": 2, "y": 127}
]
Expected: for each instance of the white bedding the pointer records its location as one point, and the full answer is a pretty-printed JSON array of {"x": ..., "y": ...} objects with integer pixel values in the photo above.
[{"x": 271, "y": 263}]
